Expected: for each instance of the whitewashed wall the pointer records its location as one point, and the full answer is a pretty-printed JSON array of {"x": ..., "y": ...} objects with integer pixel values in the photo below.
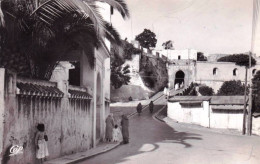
[
  {"x": 184, "y": 54},
  {"x": 197, "y": 115},
  {"x": 256, "y": 126},
  {"x": 226, "y": 120},
  {"x": 204, "y": 116}
]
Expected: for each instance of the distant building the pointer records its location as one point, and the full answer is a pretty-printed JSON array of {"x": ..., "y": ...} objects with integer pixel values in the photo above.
[
  {"x": 177, "y": 54},
  {"x": 212, "y": 73}
]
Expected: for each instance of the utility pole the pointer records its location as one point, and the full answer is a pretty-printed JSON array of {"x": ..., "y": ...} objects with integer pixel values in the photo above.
[
  {"x": 245, "y": 104},
  {"x": 249, "y": 118}
]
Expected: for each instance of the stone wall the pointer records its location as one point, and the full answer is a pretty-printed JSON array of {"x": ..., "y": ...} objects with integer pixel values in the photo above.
[
  {"x": 187, "y": 67},
  {"x": 67, "y": 117}
]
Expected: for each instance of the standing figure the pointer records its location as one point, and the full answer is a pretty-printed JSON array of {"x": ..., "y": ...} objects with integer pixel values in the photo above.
[
  {"x": 125, "y": 131},
  {"x": 176, "y": 86},
  {"x": 117, "y": 135},
  {"x": 165, "y": 92},
  {"x": 182, "y": 85},
  {"x": 139, "y": 108},
  {"x": 41, "y": 144},
  {"x": 151, "y": 107},
  {"x": 109, "y": 128}
]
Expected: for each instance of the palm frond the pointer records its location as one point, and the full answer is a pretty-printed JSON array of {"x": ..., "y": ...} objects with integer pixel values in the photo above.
[
  {"x": 49, "y": 11},
  {"x": 2, "y": 22},
  {"x": 119, "y": 5},
  {"x": 112, "y": 35}
]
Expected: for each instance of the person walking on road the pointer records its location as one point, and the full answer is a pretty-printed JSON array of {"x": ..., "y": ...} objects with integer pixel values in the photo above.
[
  {"x": 151, "y": 107},
  {"x": 125, "y": 131},
  {"x": 109, "y": 128},
  {"x": 139, "y": 109}
]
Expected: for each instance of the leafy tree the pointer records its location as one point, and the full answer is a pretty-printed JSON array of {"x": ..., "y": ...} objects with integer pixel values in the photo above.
[
  {"x": 238, "y": 59},
  {"x": 232, "y": 87},
  {"x": 206, "y": 90},
  {"x": 147, "y": 39},
  {"x": 119, "y": 73},
  {"x": 130, "y": 50},
  {"x": 201, "y": 57},
  {"x": 43, "y": 35}
]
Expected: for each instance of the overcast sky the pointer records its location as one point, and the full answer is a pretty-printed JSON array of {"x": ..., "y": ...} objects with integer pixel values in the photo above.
[{"x": 210, "y": 26}]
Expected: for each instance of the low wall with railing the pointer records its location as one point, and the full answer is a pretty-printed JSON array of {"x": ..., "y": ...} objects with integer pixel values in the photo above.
[{"x": 67, "y": 117}]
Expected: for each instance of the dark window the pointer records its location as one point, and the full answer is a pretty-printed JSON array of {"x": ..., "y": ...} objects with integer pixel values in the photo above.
[
  {"x": 235, "y": 72},
  {"x": 74, "y": 74},
  {"x": 215, "y": 71},
  {"x": 254, "y": 71}
]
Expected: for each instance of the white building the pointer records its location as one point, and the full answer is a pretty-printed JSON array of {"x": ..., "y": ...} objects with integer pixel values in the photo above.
[{"x": 177, "y": 54}]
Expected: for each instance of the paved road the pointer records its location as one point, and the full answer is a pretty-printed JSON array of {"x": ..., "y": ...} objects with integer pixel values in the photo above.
[{"x": 154, "y": 142}]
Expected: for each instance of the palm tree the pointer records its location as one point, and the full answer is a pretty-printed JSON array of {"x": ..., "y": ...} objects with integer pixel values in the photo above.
[{"x": 40, "y": 36}]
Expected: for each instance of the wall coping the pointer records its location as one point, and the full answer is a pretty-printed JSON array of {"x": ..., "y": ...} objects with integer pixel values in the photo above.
[{"x": 36, "y": 82}]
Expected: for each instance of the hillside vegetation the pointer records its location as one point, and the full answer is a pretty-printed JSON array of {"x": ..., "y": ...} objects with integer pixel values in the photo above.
[{"x": 153, "y": 72}]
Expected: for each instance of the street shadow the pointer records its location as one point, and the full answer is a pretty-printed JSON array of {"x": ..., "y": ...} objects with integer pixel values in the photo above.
[{"x": 146, "y": 136}]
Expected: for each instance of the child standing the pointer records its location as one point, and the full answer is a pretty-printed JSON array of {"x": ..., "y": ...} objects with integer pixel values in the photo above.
[
  {"x": 41, "y": 144},
  {"x": 117, "y": 135}
]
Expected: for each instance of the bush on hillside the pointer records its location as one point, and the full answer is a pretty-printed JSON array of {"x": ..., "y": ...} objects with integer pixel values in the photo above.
[
  {"x": 232, "y": 87},
  {"x": 201, "y": 57},
  {"x": 206, "y": 90},
  {"x": 149, "y": 79},
  {"x": 130, "y": 50},
  {"x": 239, "y": 59}
]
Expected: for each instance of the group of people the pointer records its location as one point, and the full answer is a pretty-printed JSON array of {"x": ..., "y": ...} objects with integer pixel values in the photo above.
[
  {"x": 113, "y": 131},
  {"x": 139, "y": 108}
]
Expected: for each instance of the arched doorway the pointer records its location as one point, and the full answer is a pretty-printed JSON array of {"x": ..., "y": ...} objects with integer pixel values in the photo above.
[
  {"x": 179, "y": 79},
  {"x": 98, "y": 108}
]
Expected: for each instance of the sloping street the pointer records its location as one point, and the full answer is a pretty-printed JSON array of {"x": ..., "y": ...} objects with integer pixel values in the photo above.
[{"x": 152, "y": 141}]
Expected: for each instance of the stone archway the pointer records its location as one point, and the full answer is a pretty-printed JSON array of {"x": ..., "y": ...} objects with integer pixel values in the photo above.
[
  {"x": 179, "y": 79},
  {"x": 98, "y": 108}
]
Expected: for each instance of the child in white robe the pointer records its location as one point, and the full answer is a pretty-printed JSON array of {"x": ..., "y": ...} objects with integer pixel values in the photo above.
[{"x": 117, "y": 134}]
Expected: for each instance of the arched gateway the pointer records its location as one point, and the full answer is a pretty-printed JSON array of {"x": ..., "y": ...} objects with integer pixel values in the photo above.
[{"x": 179, "y": 79}]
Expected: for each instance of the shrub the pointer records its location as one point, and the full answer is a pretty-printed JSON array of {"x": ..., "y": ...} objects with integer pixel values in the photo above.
[
  {"x": 201, "y": 57},
  {"x": 232, "y": 87},
  {"x": 239, "y": 59},
  {"x": 206, "y": 90}
]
